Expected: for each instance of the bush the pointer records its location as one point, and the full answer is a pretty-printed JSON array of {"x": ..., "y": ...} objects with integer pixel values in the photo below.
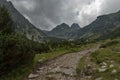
[{"x": 15, "y": 51}]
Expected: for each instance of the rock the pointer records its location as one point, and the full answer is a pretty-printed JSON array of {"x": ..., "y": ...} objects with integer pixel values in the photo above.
[
  {"x": 102, "y": 70},
  {"x": 115, "y": 79},
  {"x": 114, "y": 71},
  {"x": 111, "y": 66},
  {"x": 104, "y": 63},
  {"x": 103, "y": 67},
  {"x": 57, "y": 69},
  {"x": 100, "y": 78},
  {"x": 31, "y": 76},
  {"x": 40, "y": 61}
]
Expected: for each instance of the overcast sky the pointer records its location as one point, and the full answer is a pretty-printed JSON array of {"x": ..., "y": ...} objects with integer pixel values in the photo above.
[{"x": 46, "y": 14}]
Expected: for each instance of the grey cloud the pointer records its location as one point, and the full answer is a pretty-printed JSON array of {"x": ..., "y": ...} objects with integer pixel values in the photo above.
[
  {"x": 110, "y": 6},
  {"x": 46, "y": 14}
]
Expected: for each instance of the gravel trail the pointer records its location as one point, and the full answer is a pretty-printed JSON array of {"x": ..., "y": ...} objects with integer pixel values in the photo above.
[{"x": 62, "y": 68}]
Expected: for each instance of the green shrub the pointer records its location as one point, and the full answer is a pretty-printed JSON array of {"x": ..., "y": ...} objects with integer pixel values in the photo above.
[
  {"x": 101, "y": 55},
  {"x": 15, "y": 51}
]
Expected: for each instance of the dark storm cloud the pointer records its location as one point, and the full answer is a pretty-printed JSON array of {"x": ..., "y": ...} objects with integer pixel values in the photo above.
[{"x": 46, "y": 14}]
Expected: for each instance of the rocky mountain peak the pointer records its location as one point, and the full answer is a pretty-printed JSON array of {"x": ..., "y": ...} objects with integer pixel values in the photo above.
[
  {"x": 75, "y": 26},
  {"x": 62, "y": 26}
]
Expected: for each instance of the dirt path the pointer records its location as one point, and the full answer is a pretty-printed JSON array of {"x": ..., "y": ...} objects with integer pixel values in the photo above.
[{"x": 62, "y": 68}]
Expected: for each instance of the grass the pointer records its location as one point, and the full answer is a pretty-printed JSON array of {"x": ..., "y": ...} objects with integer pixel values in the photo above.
[
  {"x": 108, "y": 53},
  {"x": 50, "y": 55},
  {"x": 58, "y": 52},
  {"x": 81, "y": 64}
]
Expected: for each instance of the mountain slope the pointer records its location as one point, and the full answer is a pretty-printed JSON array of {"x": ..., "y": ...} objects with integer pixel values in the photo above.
[
  {"x": 112, "y": 35},
  {"x": 103, "y": 25},
  {"x": 22, "y": 25},
  {"x": 63, "y": 31}
]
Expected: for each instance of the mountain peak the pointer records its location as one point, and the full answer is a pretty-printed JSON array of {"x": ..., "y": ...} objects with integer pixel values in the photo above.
[
  {"x": 75, "y": 26},
  {"x": 63, "y": 26}
]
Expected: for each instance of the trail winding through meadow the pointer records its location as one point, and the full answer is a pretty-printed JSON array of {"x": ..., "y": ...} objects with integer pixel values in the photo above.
[{"x": 62, "y": 68}]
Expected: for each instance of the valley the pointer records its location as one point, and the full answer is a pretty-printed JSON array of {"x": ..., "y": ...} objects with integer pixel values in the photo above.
[{"x": 66, "y": 52}]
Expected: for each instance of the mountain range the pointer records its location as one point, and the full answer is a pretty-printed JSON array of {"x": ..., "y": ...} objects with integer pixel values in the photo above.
[
  {"x": 101, "y": 27},
  {"x": 63, "y": 31}
]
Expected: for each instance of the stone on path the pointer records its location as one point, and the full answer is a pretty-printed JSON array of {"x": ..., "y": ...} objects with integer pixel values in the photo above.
[{"x": 31, "y": 76}]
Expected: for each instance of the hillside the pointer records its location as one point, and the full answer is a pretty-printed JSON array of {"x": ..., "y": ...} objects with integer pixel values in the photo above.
[
  {"x": 103, "y": 25},
  {"x": 22, "y": 25}
]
